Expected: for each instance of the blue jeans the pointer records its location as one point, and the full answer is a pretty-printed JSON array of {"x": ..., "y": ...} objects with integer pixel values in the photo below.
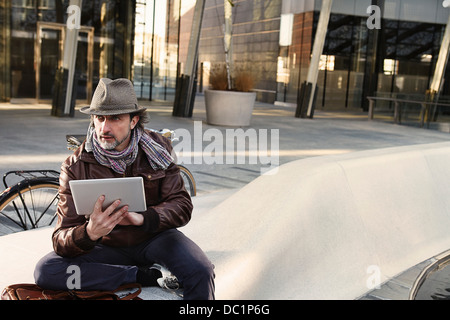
[{"x": 106, "y": 268}]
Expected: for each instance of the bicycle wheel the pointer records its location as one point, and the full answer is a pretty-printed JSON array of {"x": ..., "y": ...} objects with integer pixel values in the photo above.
[
  {"x": 28, "y": 205},
  {"x": 189, "y": 181}
]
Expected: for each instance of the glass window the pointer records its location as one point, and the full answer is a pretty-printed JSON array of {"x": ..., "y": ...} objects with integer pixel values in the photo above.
[
  {"x": 112, "y": 42},
  {"x": 341, "y": 71},
  {"x": 155, "y": 60}
]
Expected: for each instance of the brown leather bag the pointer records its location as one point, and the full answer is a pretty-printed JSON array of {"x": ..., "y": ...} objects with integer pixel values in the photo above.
[{"x": 26, "y": 291}]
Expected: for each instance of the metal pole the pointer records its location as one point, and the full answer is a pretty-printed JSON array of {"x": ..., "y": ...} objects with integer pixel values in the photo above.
[
  {"x": 185, "y": 85},
  {"x": 191, "y": 64},
  {"x": 319, "y": 42},
  {"x": 152, "y": 51},
  {"x": 70, "y": 50},
  {"x": 442, "y": 60}
]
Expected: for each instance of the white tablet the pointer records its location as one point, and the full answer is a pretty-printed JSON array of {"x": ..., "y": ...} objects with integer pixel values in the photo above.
[{"x": 130, "y": 191}]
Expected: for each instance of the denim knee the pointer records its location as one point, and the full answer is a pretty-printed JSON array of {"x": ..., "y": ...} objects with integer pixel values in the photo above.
[
  {"x": 200, "y": 284},
  {"x": 50, "y": 272}
]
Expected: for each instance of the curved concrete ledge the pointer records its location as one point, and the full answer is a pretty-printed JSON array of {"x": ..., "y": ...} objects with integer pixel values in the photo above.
[
  {"x": 328, "y": 227},
  {"x": 317, "y": 228}
]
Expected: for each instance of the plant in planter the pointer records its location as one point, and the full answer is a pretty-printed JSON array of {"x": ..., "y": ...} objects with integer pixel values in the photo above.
[
  {"x": 230, "y": 107},
  {"x": 230, "y": 101},
  {"x": 219, "y": 80}
]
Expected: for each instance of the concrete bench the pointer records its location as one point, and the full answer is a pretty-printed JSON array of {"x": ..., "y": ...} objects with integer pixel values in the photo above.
[
  {"x": 318, "y": 228},
  {"x": 323, "y": 228}
]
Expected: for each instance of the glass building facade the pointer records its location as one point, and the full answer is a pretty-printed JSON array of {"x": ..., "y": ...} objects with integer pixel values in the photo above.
[
  {"x": 255, "y": 41},
  {"x": 156, "y": 48},
  {"x": 147, "y": 42},
  {"x": 132, "y": 39},
  {"x": 275, "y": 40},
  {"x": 398, "y": 59},
  {"x": 36, "y": 42}
]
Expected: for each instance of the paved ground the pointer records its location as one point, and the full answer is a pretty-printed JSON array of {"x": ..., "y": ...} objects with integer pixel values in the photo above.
[{"x": 32, "y": 139}]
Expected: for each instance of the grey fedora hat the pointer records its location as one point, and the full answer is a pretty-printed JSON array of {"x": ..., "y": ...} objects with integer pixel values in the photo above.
[{"x": 113, "y": 97}]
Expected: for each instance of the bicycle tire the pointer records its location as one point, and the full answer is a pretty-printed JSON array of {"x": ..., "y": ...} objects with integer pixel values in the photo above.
[
  {"x": 29, "y": 204},
  {"x": 189, "y": 181}
]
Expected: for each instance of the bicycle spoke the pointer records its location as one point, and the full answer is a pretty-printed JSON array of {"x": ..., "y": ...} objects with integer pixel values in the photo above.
[
  {"x": 8, "y": 225},
  {"x": 20, "y": 224},
  {"x": 33, "y": 209},
  {"x": 56, "y": 197},
  {"x": 25, "y": 207},
  {"x": 30, "y": 206}
]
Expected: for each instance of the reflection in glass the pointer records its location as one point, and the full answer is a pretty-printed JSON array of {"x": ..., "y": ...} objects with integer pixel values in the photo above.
[{"x": 156, "y": 49}]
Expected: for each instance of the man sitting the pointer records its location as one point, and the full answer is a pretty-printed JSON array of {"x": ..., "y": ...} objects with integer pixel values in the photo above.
[{"x": 114, "y": 246}]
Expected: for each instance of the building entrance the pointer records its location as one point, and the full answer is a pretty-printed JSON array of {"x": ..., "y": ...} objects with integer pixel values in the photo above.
[{"x": 48, "y": 56}]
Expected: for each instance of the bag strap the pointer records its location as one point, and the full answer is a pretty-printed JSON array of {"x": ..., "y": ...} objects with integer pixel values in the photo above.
[
  {"x": 128, "y": 291},
  {"x": 25, "y": 291}
]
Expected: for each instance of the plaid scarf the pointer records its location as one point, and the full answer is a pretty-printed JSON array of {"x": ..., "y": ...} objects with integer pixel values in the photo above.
[{"x": 158, "y": 156}]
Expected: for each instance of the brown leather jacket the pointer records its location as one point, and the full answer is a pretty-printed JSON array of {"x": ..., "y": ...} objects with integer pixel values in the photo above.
[{"x": 168, "y": 203}]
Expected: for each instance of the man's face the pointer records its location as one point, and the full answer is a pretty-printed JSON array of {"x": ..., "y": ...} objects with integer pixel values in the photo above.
[{"x": 114, "y": 132}]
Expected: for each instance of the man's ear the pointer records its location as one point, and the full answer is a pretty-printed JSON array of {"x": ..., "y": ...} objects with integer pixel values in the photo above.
[{"x": 134, "y": 122}]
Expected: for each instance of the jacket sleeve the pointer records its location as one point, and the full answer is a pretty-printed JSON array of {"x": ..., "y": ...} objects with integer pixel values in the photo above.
[
  {"x": 69, "y": 237},
  {"x": 175, "y": 207}
]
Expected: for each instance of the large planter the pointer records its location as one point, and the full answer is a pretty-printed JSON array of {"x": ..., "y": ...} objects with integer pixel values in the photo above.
[{"x": 229, "y": 108}]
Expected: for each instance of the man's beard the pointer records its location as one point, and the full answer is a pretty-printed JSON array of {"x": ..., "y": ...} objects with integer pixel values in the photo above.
[{"x": 114, "y": 144}]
